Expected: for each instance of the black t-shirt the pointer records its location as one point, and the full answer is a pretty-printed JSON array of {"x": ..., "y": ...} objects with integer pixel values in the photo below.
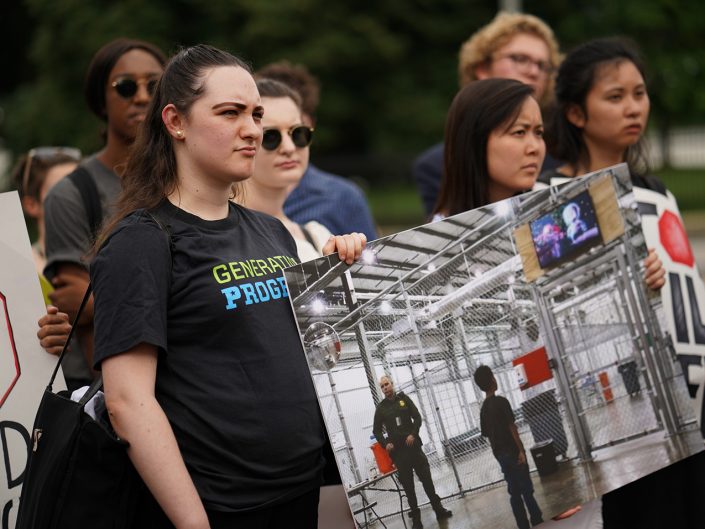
[
  {"x": 496, "y": 416},
  {"x": 231, "y": 374}
]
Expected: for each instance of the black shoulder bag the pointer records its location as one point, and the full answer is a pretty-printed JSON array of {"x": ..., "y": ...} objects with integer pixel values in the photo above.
[{"x": 79, "y": 474}]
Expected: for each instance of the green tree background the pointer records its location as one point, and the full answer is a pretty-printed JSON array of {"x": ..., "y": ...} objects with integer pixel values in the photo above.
[{"x": 388, "y": 71}]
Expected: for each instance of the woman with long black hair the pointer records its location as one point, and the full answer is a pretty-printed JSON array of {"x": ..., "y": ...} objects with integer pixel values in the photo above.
[
  {"x": 494, "y": 145},
  {"x": 602, "y": 108}
]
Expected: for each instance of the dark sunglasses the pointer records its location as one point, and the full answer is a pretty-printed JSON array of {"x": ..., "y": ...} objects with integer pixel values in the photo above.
[
  {"x": 46, "y": 153},
  {"x": 127, "y": 88},
  {"x": 301, "y": 136}
]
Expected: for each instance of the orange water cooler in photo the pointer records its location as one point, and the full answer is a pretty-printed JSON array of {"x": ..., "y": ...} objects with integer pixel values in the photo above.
[
  {"x": 384, "y": 461},
  {"x": 606, "y": 388}
]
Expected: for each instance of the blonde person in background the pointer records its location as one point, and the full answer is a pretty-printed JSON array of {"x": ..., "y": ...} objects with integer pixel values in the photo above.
[{"x": 513, "y": 46}]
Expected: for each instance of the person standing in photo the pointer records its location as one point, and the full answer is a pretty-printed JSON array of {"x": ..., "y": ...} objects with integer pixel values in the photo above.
[
  {"x": 280, "y": 165},
  {"x": 398, "y": 416},
  {"x": 497, "y": 424}
]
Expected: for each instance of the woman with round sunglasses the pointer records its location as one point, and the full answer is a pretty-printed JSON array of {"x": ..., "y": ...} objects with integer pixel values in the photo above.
[
  {"x": 279, "y": 167},
  {"x": 118, "y": 89},
  {"x": 493, "y": 150},
  {"x": 203, "y": 370},
  {"x": 281, "y": 163}
]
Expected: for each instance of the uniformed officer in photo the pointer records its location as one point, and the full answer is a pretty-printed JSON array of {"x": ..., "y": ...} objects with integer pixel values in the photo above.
[{"x": 398, "y": 416}]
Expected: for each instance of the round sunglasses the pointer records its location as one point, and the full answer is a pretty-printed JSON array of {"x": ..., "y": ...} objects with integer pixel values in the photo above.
[
  {"x": 127, "y": 88},
  {"x": 301, "y": 136}
]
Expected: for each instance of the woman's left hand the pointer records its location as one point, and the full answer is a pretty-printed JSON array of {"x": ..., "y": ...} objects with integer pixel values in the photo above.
[
  {"x": 654, "y": 272},
  {"x": 349, "y": 247}
]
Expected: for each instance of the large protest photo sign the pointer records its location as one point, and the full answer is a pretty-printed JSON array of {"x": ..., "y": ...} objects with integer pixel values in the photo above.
[
  {"x": 547, "y": 290},
  {"x": 25, "y": 367},
  {"x": 683, "y": 295}
]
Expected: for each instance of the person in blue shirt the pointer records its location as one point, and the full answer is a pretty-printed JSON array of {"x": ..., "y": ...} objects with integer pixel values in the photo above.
[{"x": 320, "y": 195}]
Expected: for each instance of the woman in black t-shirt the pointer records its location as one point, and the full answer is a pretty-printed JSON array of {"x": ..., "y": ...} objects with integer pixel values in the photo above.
[{"x": 202, "y": 364}]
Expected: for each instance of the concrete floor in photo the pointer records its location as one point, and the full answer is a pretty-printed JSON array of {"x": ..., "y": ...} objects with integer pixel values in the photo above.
[{"x": 574, "y": 483}]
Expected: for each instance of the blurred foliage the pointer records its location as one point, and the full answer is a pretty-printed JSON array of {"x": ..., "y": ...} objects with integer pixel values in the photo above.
[
  {"x": 397, "y": 207},
  {"x": 388, "y": 72},
  {"x": 687, "y": 186},
  {"x": 668, "y": 32}
]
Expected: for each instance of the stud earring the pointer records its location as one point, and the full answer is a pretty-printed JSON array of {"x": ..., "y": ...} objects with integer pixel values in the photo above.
[{"x": 179, "y": 133}]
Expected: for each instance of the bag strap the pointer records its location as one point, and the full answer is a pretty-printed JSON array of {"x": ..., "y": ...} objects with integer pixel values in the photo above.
[
  {"x": 308, "y": 236},
  {"x": 86, "y": 186},
  {"x": 86, "y": 296},
  {"x": 163, "y": 223},
  {"x": 97, "y": 384}
]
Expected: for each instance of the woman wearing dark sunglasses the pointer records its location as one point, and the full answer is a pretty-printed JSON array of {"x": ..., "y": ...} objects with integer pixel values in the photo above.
[
  {"x": 279, "y": 166},
  {"x": 281, "y": 163},
  {"x": 118, "y": 88}
]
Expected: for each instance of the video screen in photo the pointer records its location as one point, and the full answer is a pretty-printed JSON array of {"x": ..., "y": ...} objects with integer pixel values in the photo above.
[{"x": 565, "y": 231}]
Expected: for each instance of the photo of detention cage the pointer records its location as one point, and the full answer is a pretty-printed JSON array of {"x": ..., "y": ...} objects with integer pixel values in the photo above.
[{"x": 597, "y": 395}]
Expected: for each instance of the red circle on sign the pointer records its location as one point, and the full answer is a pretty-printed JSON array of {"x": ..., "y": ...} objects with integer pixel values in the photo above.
[{"x": 674, "y": 240}]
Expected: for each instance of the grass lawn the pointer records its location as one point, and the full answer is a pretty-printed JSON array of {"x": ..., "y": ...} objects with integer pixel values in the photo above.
[
  {"x": 399, "y": 207},
  {"x": 396, "y": 208}
]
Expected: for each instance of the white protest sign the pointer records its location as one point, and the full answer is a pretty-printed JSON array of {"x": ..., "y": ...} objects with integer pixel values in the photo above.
[
  {"x": 683, "y": 295},
  {"x": 25, "y": 367}
]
